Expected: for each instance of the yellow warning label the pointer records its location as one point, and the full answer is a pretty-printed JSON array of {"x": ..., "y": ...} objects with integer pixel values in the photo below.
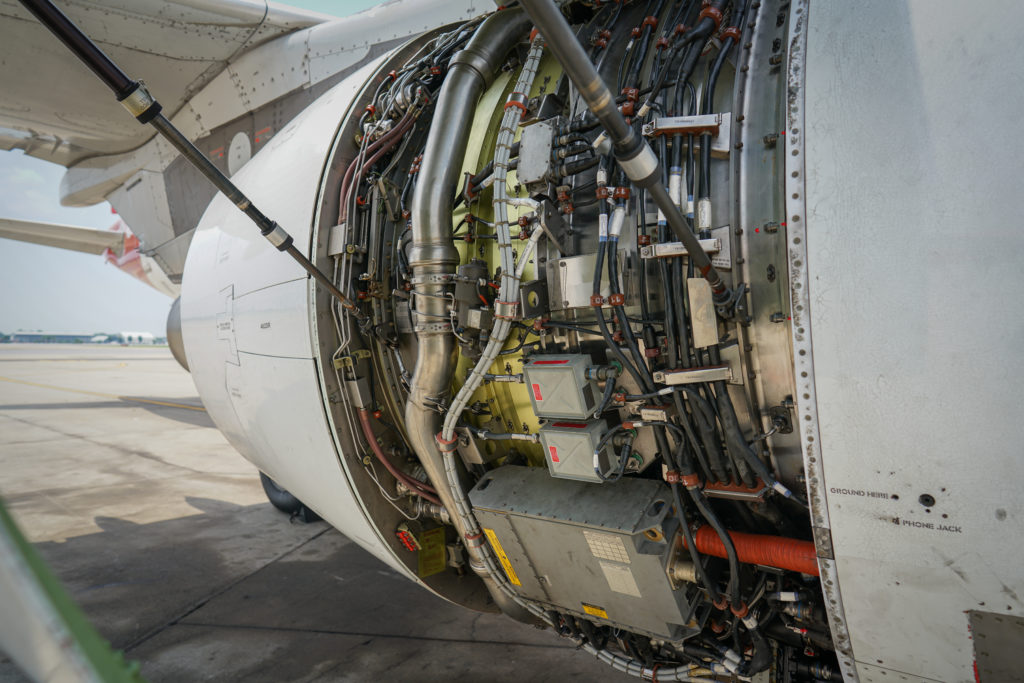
[
  {"x": 432, "y": 555},
  {"x": 594, "y": 610},
  {"x": 502, "y": 557}
]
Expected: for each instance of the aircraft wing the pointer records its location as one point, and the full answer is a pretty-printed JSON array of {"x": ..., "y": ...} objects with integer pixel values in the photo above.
[
  {"x": 70, "y": 237},
  {"x": 52, "y": 107},
  {"x": 229, "y": 73}
]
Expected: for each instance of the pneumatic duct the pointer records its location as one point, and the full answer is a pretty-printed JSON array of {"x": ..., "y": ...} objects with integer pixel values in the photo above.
[{"x": 433, "y": 259}]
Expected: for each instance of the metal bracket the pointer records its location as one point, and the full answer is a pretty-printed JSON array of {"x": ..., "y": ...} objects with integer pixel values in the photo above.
[
  {"x": 555, "y": 228},
  {"x": 713, "y": 373},
  {"x": 673, "y": 249},
  {"x": 717, "y": 125},
  {"x": 684, "y": 125}
]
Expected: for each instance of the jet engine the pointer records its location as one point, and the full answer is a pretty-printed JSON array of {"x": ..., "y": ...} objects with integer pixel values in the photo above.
[{"x": 573, "y": 381}]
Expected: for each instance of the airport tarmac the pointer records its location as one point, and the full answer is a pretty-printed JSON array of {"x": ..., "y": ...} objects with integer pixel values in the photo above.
[{"x": 162, "y": 534}]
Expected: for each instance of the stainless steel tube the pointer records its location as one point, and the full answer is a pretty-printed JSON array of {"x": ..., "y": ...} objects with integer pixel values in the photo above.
[{"x": 433, "y": 255}]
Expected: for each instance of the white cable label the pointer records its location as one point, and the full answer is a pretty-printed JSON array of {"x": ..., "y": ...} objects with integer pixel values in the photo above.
[
  {"x": 704, "y": 214},
  {"x": 675, "y": 189},
  {"x": 602, "y": 226}
]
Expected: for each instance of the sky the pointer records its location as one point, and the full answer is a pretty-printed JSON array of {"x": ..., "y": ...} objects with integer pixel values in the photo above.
[{"x": 54, "y": 290}]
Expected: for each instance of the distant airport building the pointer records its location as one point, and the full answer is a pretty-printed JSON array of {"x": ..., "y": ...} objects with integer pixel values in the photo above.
[
  {"x": 76, "y": 338},
  {"x": 51, "y": 337}
]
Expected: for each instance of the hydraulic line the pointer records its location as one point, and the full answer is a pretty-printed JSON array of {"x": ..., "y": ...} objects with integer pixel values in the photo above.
[
  {"x": 633, "y": 153},
  {"x": 137, "y": 100},
  {"x": 419, "y": 488},
  {"x": 770, "y": 551}
]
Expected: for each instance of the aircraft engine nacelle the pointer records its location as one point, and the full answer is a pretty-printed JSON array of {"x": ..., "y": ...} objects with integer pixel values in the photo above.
[{"x": 537, "y": 397}]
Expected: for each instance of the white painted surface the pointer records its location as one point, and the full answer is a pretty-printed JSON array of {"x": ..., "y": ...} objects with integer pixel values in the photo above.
[
  {"x": 246, "y": 323},
  {"x": 915, "y": 259}
]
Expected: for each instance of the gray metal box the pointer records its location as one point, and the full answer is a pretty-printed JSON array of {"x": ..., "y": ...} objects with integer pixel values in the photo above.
[
  {"x": 582, "y": 549},
  {"x": 535, "y": 153},
  {"x": 569, "y": 449},
  {"x": 559, "y": 388}
]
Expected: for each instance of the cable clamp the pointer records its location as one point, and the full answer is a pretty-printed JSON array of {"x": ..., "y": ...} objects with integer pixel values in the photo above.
[
  {"x": 506, "y": 310},
  {"x": 713, "y": 13},
  {"x": 446, "y": 445},
  {"x": 596, "y": 300},
  {"x": 617, "y": 300},
  {"x": 731, "y": 32},
  {"x": 740, "y": 610},
  {"x": 516, "y": 99}
]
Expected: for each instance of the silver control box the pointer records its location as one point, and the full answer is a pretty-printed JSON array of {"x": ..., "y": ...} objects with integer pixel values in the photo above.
[
  {"x": 559, "y": 388},
  {"x": 596, "y": 552},
  {"x": 569, "y": 449}
]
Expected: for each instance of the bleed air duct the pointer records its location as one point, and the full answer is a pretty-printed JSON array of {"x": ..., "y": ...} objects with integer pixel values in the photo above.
[
  {"x": 433, "y": 257},
  {"x": 770, "y": 551}
]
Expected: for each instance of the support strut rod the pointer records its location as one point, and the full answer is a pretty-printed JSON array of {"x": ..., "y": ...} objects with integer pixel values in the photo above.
[
  {"x": 633, "y": 154},
  {"x": 137, "y": 100}
]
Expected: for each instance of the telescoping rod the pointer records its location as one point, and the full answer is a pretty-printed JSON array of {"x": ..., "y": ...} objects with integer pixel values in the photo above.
[
  {"x": 633, "y": 154},
  {"x": 137, "y": 100}
]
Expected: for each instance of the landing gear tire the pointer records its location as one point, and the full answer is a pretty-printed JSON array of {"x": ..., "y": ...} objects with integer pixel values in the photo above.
[{"x": 286, "y": 502}]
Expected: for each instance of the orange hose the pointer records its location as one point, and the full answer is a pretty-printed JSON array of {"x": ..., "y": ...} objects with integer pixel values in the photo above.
[{"x": 771, "y": 551}]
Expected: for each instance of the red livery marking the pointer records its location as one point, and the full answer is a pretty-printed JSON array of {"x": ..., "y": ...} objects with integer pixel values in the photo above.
[
  {"x": 550, "y": 362},
  {"x": 554, "y": 454},
  {"x": 536, "y": 392},
  {"x": 574, "y": 425}
]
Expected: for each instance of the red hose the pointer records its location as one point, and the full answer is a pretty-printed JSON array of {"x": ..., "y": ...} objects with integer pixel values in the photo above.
[
  {"x": 414, "y": 485},
  {"x": 771, "y": 551}
]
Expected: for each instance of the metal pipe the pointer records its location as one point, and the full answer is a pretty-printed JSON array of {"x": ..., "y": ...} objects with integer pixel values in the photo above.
[
  {"x": 633, "y": 154},
  {"x": 433, "y": 257}
]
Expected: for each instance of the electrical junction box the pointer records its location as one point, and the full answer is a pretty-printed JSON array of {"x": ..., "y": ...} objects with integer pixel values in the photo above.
[
  {"x": 596, "y": 552},
  {"x": 535, "y": 153},
  {"x": 559, "y": 388},
  {"x": 569, "y": 449}
]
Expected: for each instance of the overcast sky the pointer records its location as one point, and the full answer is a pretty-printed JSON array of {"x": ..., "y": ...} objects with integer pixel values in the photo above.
[{"x": 44, "y": 288}]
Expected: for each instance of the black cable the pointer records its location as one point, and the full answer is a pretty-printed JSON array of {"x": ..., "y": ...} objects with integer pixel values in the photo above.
[
  {"x": 627, "y": 330},
  {"x": 605, "y": 332},
  {"x": 730, "y": 549}
]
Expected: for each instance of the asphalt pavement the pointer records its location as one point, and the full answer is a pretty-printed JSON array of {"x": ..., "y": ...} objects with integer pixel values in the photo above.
[{"x": 161, "y": 532}]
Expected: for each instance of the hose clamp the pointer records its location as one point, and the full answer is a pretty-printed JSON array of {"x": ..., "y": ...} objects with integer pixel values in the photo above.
[
  {"x": 506, "y": 310},
  {"x": 431, "y": 279},
  {"x": 433, "y": 327}
]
